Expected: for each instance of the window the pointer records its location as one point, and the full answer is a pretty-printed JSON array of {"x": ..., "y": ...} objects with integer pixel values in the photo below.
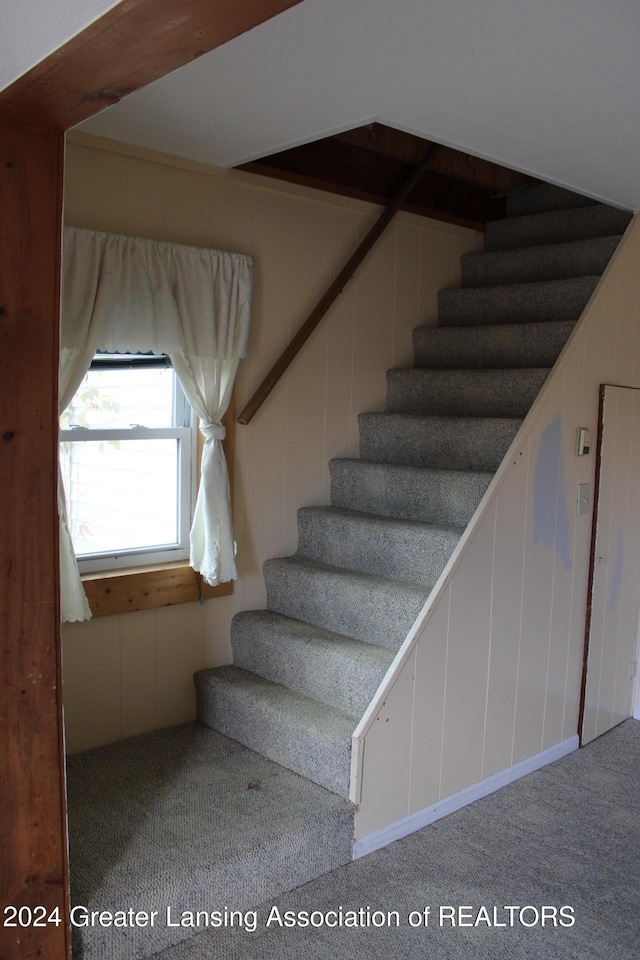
[{"x": 128, "y": 454}]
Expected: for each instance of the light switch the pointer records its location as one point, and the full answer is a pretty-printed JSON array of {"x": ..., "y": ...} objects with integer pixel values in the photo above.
[
  {"x": 583, "y": 498},
  {"x": 583, "y": 442}
]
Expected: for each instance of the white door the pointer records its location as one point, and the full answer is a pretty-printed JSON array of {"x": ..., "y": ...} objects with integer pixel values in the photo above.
[{"x": 612, "y": 615}]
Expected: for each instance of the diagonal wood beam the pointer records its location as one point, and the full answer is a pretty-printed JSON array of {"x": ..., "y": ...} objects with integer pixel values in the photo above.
[
  {"x": 335, "y": 289},
  {"x": 133, "y": 44}
]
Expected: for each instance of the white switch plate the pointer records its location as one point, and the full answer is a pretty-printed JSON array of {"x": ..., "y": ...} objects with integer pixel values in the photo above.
[{"x": 583, "y": 498}]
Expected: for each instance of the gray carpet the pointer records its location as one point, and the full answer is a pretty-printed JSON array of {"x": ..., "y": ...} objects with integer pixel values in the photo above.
[
  {"x": 365, "y": 565},
  {"x": 170, "y": 819},
  {"x": 563, "y": 836}
]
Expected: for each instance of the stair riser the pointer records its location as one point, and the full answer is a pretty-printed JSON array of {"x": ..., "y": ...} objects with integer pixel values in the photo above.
[
  {"x": 343, "y": 674},
  {"x": 543, "y": 197},
  {"x": 414, "y": 554},
  {"x": 464, "y": 393},
  {"x": 555, "y": 300},
  {"x": 380, "y": 614},
  {"x": 450, "y": 443},
  {"x": 237, "y": 713},
  {"x": 531, "y": 264},
  {"x": 505, "y": 345},
  {"x": 558, "y": 226},
  {"x": 447, "y": 497}
]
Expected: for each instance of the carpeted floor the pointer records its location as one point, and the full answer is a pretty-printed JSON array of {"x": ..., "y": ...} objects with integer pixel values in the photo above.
[{"x": 565, "y": 836}]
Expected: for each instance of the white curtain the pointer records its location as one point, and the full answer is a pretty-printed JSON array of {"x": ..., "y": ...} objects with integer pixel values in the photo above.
[{"x": 124, "y": 294}]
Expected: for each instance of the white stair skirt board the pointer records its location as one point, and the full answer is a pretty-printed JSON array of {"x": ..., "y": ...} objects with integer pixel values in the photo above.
[
  {"x": 422, "y": 818},
  {"x": 636, "y": 713}
]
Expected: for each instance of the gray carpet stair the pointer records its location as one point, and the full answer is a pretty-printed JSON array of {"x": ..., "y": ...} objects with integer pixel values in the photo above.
[
  {"x": 402, "y": 550},
  {"x": 330, "y": 667},
  {"x": 407, "y": 492},
  {"x": 299, "y": 733},
  {"x": 453, "y": 443},
  {"x": 556, "y": 226},
  {"x": 365, "y": 564},
  {"x": 361, "y": 605},
  {"x": 339, "y": 608},
  {"x": 514, "y": 302},
  {"x": 543, "y": 198},
  {"x": 464, "y": 393},
  {"x": 188, "y": 817},
  {"x": 493, "y": 345},
  {"x": 551, "y": 261}
]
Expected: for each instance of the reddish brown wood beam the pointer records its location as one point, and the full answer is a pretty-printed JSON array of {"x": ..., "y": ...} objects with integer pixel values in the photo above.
[
  {"x": 405, "y": 189},
  {"x": 132, "y": 45},
  {"x": 356, "y": 172},
  {"x": 137, "y": 42},
  {"x": 33, "y": 865},
  {"x": 388, "y": 142},
  {"x": 260, "y": 169}
]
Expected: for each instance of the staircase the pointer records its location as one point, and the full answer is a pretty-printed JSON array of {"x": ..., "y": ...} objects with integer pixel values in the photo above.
[
  {"x": 305, "y": 668},
  {"x": 197, "y": 818}
]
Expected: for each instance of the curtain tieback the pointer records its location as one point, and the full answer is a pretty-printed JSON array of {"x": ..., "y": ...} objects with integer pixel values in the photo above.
[{"x": 212, "y": 431}]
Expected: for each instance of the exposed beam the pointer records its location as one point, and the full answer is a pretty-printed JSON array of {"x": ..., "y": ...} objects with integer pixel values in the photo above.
[
  {"x": 354, "y": 171},
  {"x": 398, "y": 145},
  {"x": 132, "y": 45},
  {"x": 33, "y": 866},
  {"x": 406, "y": 188},
  {"x": 135, "y": 43}
]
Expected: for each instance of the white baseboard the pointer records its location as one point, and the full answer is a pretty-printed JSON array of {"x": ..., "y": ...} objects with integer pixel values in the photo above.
[
  {"x": 636, "y": 713},
  {"x": 422, "y": 818}
]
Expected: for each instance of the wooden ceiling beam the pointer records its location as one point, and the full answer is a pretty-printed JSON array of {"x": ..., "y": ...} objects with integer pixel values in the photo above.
[
  {"x": 354, "y": 171},
  {"x": 398, "y": 145},
  {"x": 133, "y": 44}
]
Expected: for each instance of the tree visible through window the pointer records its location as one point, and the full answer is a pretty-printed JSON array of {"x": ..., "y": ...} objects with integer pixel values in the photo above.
[{"x": 128, "y": 456}]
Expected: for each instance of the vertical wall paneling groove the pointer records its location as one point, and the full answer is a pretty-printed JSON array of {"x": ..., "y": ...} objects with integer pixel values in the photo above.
[
  {"x": 33, "y": 866},
  {"x": 299, "y": 238},
  {"x": 533, "y": 627}
]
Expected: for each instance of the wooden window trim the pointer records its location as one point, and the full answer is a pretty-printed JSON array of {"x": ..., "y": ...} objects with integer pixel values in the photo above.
[{"x": 160, "y": 584}]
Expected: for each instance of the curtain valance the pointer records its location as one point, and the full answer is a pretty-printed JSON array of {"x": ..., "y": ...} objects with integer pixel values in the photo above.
[{"x": 128, "y": 294}]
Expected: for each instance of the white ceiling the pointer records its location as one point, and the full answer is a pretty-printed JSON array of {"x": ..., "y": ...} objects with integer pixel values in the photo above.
[
  {"x": 549, "y": 87},
  {"x": 32, "y": 29}
]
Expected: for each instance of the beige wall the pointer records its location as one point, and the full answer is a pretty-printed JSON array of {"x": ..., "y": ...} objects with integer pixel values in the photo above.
[
  {"x": 127, "y": 674},
  {"x": 492, "y": 675}
]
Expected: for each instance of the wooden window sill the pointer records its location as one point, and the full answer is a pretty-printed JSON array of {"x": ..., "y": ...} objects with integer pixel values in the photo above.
[
  {"x": 163, "y": 584},
  {"x": 145, "y": 587}
]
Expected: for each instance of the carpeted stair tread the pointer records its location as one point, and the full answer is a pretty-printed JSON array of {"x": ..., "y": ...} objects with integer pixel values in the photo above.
[
  {"x": 545, "y": 300},
  {"x": 427, "y": 494},
  {"x": 299, "y": 733},
  {"x": 337, "y": 670},
  {"x": 543, "y": 197},
  {"x": 495, "y": 345},
  {"x": 453, "y": 443},
  {"x": 404, "y": 550},
  {"x": 167, "y": 819},
  {"x": 464, "y": 393},
  {"x": 553, "y": 261},
  {"x": 555, "y": 226},
  {"x": 370, "y": 608}
]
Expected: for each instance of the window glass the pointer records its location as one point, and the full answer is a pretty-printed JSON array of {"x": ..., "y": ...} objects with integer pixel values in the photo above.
[
  {"x": 127, "y": 458},
  {"x": 111, "y": 398}
]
